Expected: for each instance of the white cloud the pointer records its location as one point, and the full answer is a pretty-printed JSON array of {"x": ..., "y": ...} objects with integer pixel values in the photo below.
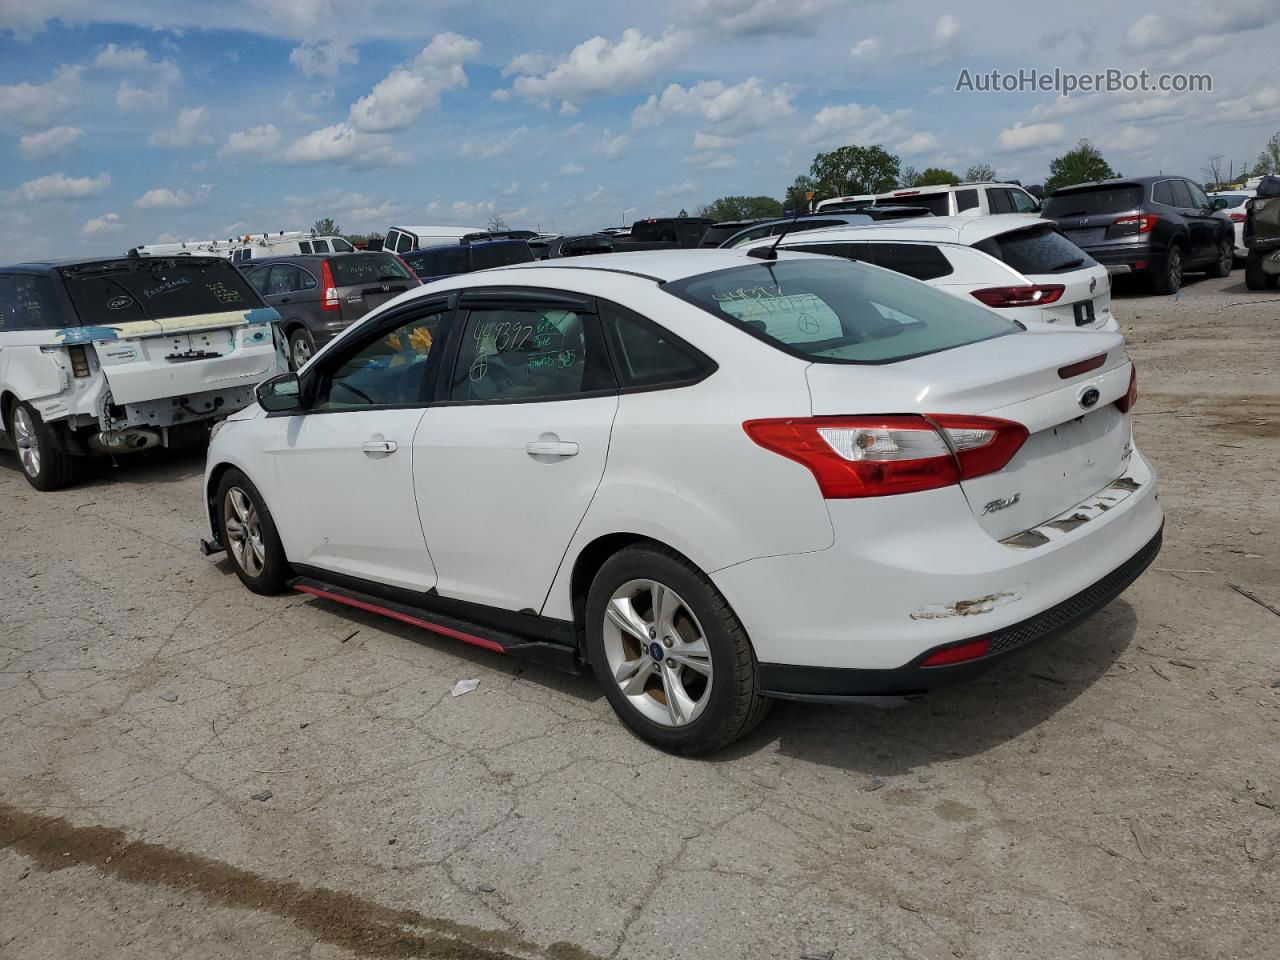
[
  {"x": 917, "y": 143},
  {"x": 510, "y": 190},
  {"x": 868, "y": 48},
  {"x": 108, "y": 221},
  {"x": 571, "y": 170},
  {"x": 150, "y": 81},
  {"x": 486, "y": 148},
  {"x": 48, "y": 143},
  {"x": 58, "y": 186},
  {"x": 1026, "y": 136},
  {"x": 728, "y": 110},
  {"x": 258, "y": 143},
  {"x": 837, "y": 125},
  {"x": 745, "y": 18},
  {"x": 36, "y": 104},
  {"x": 711, "y": 161},
  {"x": 712, "y": 141},
  {"x": 163, "y": 198},
  {"x": 398, "y": 99},
  {"x": 1128, "y": 139},
  {"x": 188, "y": 130},
  {"x": 529, "y": 64},
  {"x": 597, "y": 67},
  {"x": 1156, "y": 31},
  {"x": 945, "y": 30},
  {"x": 675, "y": 190},
  {"x": 611, "y": 147},
  {"x": 131, "y": 97},
  {"x": 344, "y": 145},
  {"x": 323, "y": 59}
]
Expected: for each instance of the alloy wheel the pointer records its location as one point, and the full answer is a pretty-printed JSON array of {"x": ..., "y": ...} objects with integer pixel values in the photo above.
[
  {"x": 1175, "y": 268},
  {"x": 1227, "y": 257},
  {"x": 27, "y": 441},
  {"x": 301, "y": 352},
  {"x": 244, "y": 532},
  {"x": 657, "y": 653}
]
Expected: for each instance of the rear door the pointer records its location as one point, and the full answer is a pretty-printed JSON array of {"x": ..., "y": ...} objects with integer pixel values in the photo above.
[
  {"x": 365, "y": 281},
  {"x": 507, "y": 462}
]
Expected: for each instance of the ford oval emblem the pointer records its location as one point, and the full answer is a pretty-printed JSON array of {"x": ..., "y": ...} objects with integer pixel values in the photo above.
[
  {"x": 119, "y": 303},
  {"x": 1090, "y": 397}
]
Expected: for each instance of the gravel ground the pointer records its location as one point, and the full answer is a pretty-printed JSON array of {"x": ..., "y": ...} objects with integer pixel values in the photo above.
[{"x": 191, "y": 769}]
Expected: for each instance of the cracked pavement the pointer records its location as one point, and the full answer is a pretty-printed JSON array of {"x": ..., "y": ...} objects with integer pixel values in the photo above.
[{"x": 1111, "y": 794}]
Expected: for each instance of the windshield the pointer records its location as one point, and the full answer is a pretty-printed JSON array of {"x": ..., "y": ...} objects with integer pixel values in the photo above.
[
  {"x": 157, "y": 288},
  {"x": 1037, "y": 250},
  {"x": 1093, "y": 200},
  {"x": 836, "y": 311},
  {"x": 352, "y": 269}
]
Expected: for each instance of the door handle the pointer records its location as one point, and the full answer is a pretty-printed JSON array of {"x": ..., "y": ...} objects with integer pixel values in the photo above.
[
  {"x": 551, "y": 448},
  {"x": 379, "y": 446},
  {"x": 284, "y": 299}
]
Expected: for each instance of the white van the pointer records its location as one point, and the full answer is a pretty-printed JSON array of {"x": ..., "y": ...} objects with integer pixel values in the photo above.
[
  {"x": 111, "y": 356},
  {"x": 285, "y": 244},
  {"x": 403, "y": 239}
]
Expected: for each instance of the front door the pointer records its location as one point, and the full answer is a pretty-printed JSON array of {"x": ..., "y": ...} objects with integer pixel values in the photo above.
[
  {"x": 345, "y": 466},
  {"x": 506, "y": 466}
]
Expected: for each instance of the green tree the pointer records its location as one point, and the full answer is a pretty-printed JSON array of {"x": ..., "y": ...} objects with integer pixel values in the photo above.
[
  {"x": 325, "y": 227},
  {"x": 741, "y": 208},
  {"x": 1269, "y": 159},
  {"x": 980, "y": 173},
  {"x": 795, "y": 198},
  {"x": 935, "y": 177},
  {"x": 908, "y": 176},
  {"x": 1081, "y": 165},
  {"x": 853, "y": 170}
]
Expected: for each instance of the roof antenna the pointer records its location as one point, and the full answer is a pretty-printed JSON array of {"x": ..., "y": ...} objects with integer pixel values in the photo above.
[{"x": 771, "y": 253}]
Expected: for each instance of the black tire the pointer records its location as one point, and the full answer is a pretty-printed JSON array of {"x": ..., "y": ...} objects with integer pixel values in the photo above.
[
  {"x": 274, "y": 570},
  {"x": 301, "y": 347},
  {"x": 44, "y": 465},
  {"x": 1221, "y": 267},
  {"x": 734, "y": 705},
  {"x": 1168, "y": 279},
  {"x": 1255, "y": 278}
]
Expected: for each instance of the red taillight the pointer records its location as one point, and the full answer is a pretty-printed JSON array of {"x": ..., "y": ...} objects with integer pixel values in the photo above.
[
  {"x": 880, "y": 456},
  {"x": 1126, "y": 402},
  {"x": 329, "y": 301},
  {"x": 1238, "y": 217},
  {"x": 961, "y": 652},
  {"x": 1145, "y": 222},
  {"x": 1031, "y": 295}
]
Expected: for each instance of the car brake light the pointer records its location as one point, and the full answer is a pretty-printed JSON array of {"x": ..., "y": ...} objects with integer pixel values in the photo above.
[
  {"x": 1238, "y": 217},
  {"x": 961, "y": 652},
  {"x": 1146, "y": 222},
  {"x": 1126, "y": 402},
  {"x": 407, "y": 269},
  {"x": 79, "y": 361},
  {"x": 1031, "y": 295},
  {"x": 330, "y": 299},
  {"x": 880, "y": 456}
]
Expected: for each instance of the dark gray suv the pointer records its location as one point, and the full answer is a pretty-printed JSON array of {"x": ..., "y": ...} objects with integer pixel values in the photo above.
[
  {"x": 1159, "y": 226},
  {"x": 318, "y": 297}
]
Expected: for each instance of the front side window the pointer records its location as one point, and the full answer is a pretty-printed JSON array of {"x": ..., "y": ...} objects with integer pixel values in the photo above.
[
  {"x": 259, "y": 276},
  {"x": 527, "y": 354},
  {"x": 320, "y": 246},
  {"x": 1181, "y": 195},
  {"x": 646, "y": 355},
  {"x": 341, "y": 246},
  {"x": 1198, "y": 198},
  {"x": 836, "y": 311},
  {"x": 404, "y": 243},
  {"x": 390, "y": 370},
  {"x": 1023, "y": 202}
]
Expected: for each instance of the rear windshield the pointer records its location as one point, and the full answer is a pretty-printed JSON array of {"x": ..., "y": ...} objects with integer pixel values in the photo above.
[
  {"x": 157, "y": 288},
  {"x": 1037, "y": 250},
  {"x": 1232, "y": 199},
  {"x": 662, "y": 230},
  {"x": 835, "y": 311},
  {"x": 353, "y": 269},
  {"x": 1094, "y": 200},
  {"x": 939, "y": 204},
  {"x": 485, "y": 255},
  {"x": 444, "y": 262}
]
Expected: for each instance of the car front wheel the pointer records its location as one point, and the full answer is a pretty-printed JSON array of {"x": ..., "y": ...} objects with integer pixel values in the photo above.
[
  {"x": 1222, "y": 266},
  {"x": 43, "y": 464},
  {"x": 675, "y": 662},
  {"x": 249, "y": 534}
]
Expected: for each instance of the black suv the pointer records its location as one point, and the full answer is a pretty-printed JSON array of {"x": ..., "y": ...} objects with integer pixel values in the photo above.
[
  {"x": 320, "y": 296},
  {"x": 1159, "y": 226}
]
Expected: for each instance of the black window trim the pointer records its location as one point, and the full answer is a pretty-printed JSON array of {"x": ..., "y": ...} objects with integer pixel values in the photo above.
[
  {"x": 871, "y": 242},
  {"x": 707, "y": 365}
]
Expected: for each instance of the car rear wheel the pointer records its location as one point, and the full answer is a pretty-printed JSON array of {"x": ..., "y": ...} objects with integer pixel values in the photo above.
[
  {"x": 1255, "y": 278},
  {"x": 301, "y": 347},
  {"x": 674, "y": 660},
  {"x": 249, "y": 534},
  {"x": 43, "y": 464},
  {"x": 1169, "y": 278},
  {"x": 1221, "y": 267}
]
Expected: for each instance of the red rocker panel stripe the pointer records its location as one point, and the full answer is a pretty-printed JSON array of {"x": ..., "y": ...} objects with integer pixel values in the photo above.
[{"x": 404, "y": 618}]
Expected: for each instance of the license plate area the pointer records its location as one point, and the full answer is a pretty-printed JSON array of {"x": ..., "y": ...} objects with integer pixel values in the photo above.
[
  {"x": 1084, "y": 313},
  {"x": 186, "y": 347}
]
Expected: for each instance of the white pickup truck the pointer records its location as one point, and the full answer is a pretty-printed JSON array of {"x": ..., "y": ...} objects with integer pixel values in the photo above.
[{"x": 110, "y": 356}]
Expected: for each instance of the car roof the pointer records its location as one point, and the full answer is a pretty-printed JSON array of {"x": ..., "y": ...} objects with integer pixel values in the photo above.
[
  {"x": 49, "y": 266},
  {"x": 960, "y": 229},
  {"x": 1121, "y": 182},
  {"x": 488, "y": 242},
  {"x": 440, "y": 231},
  {"x": 663, "y": 266}
]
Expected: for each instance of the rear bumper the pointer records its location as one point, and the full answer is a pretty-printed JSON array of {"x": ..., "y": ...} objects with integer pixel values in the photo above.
[
  {"x": 1126, "y": 257},
  {"x": 790, "y": 682}
]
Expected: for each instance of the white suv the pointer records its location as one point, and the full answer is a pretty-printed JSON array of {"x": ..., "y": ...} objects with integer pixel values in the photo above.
[
  {"x": 288, "y": 245},
  {"x": 973, "y": 199}
]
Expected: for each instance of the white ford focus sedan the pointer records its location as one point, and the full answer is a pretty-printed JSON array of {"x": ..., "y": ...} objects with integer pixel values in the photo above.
[{"x": 713, "y": 478}]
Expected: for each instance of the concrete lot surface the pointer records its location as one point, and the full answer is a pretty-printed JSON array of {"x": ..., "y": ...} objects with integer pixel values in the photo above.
[{"x": 190, "y": 770}]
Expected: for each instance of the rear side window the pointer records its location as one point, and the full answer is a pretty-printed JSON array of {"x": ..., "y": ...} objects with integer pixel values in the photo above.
[
  {"x": 966, "y": 199},
  {"x": 118, "y": 291},
  {"x": 1095, "y": 200},
  {"x": 485, "y": 255},
  {"x": 29, "y": 302},
  {"x": 1181, "y": 195},
  {"x": 645, "y": 354},
  {"x": 1037, "y": 250},
  {"x": 304, "y": 246},
  {"x": 320, "y": 246},
  {"x": 836, "y": 311},
  {"x": 920, "y": 261},
  {"x": 354, "y": 269}
]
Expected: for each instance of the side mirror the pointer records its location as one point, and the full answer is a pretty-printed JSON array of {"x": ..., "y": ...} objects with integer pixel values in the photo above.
[{"x": 280, "y": 393}]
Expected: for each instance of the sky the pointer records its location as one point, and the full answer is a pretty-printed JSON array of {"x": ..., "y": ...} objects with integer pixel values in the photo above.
[{"x": 130, "y": 121}]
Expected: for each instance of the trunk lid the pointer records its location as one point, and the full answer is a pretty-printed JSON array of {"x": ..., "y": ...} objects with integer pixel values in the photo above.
[
  {"x": 1086, "y": 215},
  {"x": 1072, "y": 451},
  {"x": 1086, "y": 301}
]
